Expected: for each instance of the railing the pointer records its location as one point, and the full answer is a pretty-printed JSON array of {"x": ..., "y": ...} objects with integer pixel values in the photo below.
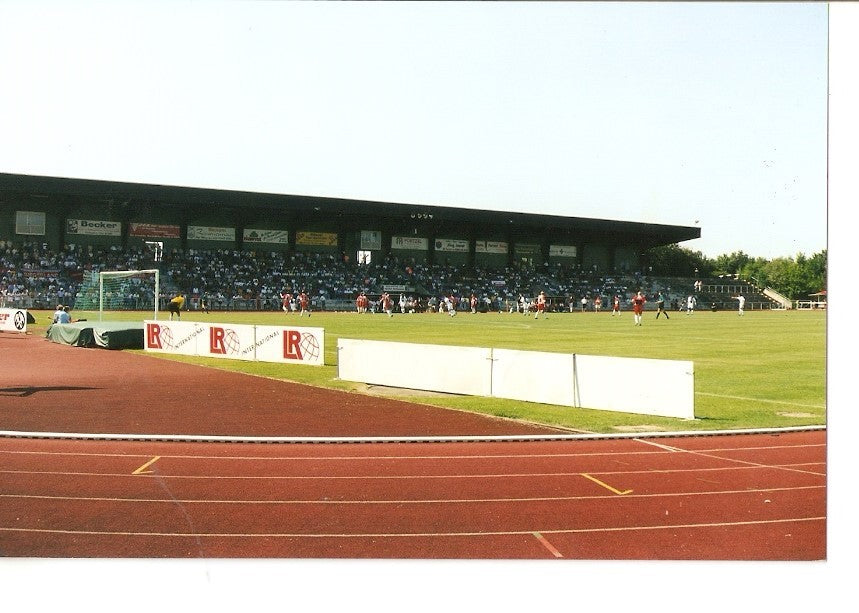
[
  {"x": 809, "y": 304},
  {"x": 774, "y": 295}
]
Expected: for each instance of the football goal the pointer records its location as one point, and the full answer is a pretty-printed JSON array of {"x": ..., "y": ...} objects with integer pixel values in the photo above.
[{"x": 119, "y": 290}]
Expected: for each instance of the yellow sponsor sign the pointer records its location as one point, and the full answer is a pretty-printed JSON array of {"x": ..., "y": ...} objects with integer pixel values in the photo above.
[{"x": 327, "y": 239}]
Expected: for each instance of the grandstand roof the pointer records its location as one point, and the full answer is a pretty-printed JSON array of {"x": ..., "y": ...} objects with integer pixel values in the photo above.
[{"x": 167, "y": 195}]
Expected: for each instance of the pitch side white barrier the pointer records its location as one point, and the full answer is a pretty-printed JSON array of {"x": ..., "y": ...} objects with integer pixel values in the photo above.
[
  {"x": 237, "y": 341},
  {"x": 13, "y": 320},
  {"x": 663, "y": 388}
]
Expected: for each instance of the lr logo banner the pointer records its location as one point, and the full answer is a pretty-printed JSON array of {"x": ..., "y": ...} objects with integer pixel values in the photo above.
[
  {"x": 237, "y": 341},
  {"x": 291, "y": 345}
]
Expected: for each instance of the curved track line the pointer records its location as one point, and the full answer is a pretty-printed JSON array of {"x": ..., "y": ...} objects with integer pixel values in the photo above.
[
  {"x": 400, "y": 477},
  {"x": 414, "y": 501},
  {"x": 394, "y": 439},
  {"x": 201, "y": 535},
  {"x": 512, "y": 456}
]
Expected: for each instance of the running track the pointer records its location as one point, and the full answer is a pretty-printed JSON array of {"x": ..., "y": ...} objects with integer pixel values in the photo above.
[{"x": 723, "y": 497}]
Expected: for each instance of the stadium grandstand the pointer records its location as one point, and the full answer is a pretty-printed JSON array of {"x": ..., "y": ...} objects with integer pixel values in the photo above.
[{"x": 242, "y": 250}]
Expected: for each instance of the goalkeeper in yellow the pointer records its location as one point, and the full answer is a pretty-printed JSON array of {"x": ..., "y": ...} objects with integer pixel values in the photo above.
[{"x": 175, "y": 306}]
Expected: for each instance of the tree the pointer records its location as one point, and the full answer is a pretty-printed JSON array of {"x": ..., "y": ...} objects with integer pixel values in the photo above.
[
  {"x": 730, "y": 264},
  {"x": 676, "y": 261}
]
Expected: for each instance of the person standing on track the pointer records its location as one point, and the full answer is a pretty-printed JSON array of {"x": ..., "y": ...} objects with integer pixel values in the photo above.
[{"x": 638, "y": 307}]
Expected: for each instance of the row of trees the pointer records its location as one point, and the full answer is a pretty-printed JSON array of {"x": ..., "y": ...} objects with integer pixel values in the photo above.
[{"x": 796, "y": 277}]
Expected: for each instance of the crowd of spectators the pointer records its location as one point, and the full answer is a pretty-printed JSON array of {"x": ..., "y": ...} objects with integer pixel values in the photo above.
[{"x": 35, "y": 276}]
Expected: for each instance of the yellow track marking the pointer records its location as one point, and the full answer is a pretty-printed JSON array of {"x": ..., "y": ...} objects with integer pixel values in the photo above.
[
  {"x": 605, "y": 485},
  {"x": 142, "y": 470}
]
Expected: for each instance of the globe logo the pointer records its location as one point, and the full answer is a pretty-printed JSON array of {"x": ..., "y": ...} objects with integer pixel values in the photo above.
[
  {"x": 231, "y": 342},
  {"x": 166, "y": 337},
  {"x": 309, "y": 346}
]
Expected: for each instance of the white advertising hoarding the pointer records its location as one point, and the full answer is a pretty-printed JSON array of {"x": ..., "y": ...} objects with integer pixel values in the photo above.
[
  {"x": 455, "y": 245},
  {"x": 258, "y": 235},
  {"x": 632, "y": 385},
  {"x": 290, "y": 345},
  {"x": 94, "y": 227},
  {"x": 231, "y": 341},
  {"x": 284, "y": 344},
  {"x": 457, "y": 370},
  {"x": 562, "y": 251},
  {"x": 211, "y": 233},
  {"x": 178, "y": 337},
  {"x": 416, "y": 243},
  {"x": 13, "y": 320},
  {"x": 490, "y": 247}
]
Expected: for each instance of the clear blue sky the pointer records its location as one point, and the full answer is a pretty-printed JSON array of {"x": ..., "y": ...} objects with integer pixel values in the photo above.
[{"x": 696, "y": 114}]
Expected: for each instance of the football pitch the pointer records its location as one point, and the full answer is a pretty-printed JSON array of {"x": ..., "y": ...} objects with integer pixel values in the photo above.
[{"x": 766, "y": 369}]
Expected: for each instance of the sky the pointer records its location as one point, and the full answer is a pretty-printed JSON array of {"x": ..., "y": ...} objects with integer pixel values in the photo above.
[{"x": 699, "y": 114}]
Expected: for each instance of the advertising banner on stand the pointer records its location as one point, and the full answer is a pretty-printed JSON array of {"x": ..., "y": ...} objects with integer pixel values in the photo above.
[
  {"x": 13, "y": 320},
  {"x": 290, "y": 345}
]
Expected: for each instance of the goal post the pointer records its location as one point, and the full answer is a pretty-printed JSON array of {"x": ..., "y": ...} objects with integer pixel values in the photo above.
[{"x": 120, "y": 290}]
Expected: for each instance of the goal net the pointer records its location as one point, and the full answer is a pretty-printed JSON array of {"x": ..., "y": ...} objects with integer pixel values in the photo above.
[{"x": 119, "y": 290}]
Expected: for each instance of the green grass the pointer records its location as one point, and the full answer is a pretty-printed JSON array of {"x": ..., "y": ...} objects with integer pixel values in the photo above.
[{"x": 766, "y": 369}]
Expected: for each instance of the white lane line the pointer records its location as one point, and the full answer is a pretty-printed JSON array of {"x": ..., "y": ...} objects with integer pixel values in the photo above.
[
  {"x": 296, "y": 535},
  {"x": 665, "y": 447},
  {"x": 768, "y": 490},
  {"x": 608, "y": 454},
  {"x": 650, "y": 471}
]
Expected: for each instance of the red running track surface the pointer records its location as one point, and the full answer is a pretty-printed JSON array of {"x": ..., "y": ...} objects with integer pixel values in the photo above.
[{"x": 728, "y": 497}]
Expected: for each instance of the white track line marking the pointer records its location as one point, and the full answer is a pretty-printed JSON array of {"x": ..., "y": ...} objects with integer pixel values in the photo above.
[
  {"x": 745, "y": 466},
  {"x": 665, "y": 447},
  {"x": 548, "y": 545},
  {"x": 608, "y": 454},
  {"x": 416, "y": 534},
  {"x": 578, "y": 436},
  {"x": 414, "y": 501}
]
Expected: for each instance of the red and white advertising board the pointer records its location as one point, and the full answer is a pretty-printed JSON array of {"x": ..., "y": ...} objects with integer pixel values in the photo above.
[
  {"x": 284, "y": 344},
  {"x": 290, "y": 345}
]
